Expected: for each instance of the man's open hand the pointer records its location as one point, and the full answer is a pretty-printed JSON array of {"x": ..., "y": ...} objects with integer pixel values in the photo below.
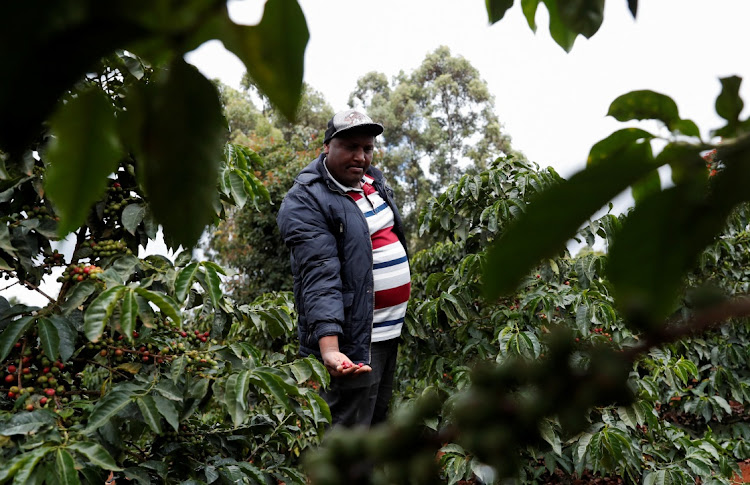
[{"x": 339, "y": 364}]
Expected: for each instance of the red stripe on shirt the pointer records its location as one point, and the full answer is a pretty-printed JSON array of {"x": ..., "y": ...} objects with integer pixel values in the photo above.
[
  {"x": 393, "y": 296},
  {"x": 383, "y": 237}
]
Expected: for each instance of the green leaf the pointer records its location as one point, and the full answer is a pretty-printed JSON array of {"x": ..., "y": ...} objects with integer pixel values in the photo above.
[
  {"x": 272, "y": 51},
  {"x": 169, "y": 390},
  {"x": 132, "y": 215},
  {"x": 564, "y": 36},
  {"x": 231, "y": 401},
  {"x": 128, "y": 313},
  {"x": 184, "y": 281},
  {"x": 687, "y": 128},
  {"x": 106, "y": 408},
  {"x": 647, "y": 186},
  {"x": 165, "y": 303},
  {"x": 496, "y": 9},
  {"x": 168, "y": 409},
  {"x": 81, "y": 291},
  {"x": 12, "y": 334},
  {"x": 99, "y": 312},
  {"x": 633, "y": 7},
  {"x": 237, "y": 186},
  {"x": 582, "y": 16},
  {"x": 11, "y": 467},
  {"x": 84, "y": 151},
  {"x": 178, "y": 368},
  {"x": 548, "y": 434},
  {"x": 150, "y": 413},
  {"x": 24, "y": 473},
  {"x": 321, "y": 407},
  {"x": 646, "y": 278},
  {"x": 179, "y": 149},
  {"x": 555, "y": 215},
  {"x": 65, "y": 468},
  {"x": 645, "y": 105},
  {"x": 242, "y": 385},
  {"x": 529, "y": 8},
  {"x": 628, "y": 416},
  {"x": 213, "y": 285},
  {"x": 96, "y": 454},
  {"x": 253, "y": 472},
  {"x": 49, "y": 338},
  {"x": 321, "y": 373},
  {"x": 27, "y": 423},
  {"x": 729, "y": 105},
  {"x": 68, "y": 336},
  {"x": 301, "y": 370},
  {"x": 275, "y": 386},
  {"x": 5, "y": 242}
]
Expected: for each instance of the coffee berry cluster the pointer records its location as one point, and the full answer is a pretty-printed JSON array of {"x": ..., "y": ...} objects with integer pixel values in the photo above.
[
  {"x": 108, "y": 247},
  {"x": 79, "y": 272},
  {"x": 32, "y": 379},
  {"x": 40, "y": 212},
  {"x": 117, "y": 200},
  {"x": 52, "y": 259}
]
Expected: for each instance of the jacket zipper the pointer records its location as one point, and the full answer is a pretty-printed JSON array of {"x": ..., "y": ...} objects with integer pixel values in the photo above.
[{"x": 372, "y": 290}]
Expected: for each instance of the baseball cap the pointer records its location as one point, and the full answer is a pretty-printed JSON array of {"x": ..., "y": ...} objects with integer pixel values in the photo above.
[{"x": 351, "y": 119}]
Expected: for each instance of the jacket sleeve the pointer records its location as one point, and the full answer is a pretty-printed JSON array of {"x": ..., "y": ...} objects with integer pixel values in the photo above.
[{"x": 315, "y": 262}]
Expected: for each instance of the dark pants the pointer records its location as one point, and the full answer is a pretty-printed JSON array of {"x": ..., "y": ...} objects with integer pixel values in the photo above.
[{"x": 363, "y": 400}]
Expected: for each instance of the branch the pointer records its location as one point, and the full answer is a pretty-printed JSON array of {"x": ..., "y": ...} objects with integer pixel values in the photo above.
[
  {"x": 10, "y": 285},
  {"x": 699, "y": 323},
  {"x": 32, "y": 286}
]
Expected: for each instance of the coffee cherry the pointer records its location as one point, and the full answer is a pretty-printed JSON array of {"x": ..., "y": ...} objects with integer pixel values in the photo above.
[
  {"x": 9, "y": 378},
  {"x": 12, "y": 369},
  {"x": 29, "y": 407},
  {"x": 49, "y": 392},
  {"x": 43, "y": 401}
]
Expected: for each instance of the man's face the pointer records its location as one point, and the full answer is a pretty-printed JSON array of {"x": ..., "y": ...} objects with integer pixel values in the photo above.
[{"x": 349, "y": 156}]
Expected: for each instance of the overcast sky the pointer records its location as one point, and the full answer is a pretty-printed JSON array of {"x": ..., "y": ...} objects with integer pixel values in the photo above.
[{"x": 552, "y": 104}]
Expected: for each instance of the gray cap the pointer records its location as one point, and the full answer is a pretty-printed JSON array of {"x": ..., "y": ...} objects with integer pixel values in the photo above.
[{"x": 351, "y": 119}]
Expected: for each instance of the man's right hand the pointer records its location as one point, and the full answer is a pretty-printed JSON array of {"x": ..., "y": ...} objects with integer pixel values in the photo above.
[{"x": 339, "y": 364}]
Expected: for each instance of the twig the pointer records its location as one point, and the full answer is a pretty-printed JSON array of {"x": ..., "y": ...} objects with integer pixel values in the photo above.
[
  {"x": 32, "y": 286},
  {"x": 699, "y": 323},
  {"x": 10, "y": 285}
]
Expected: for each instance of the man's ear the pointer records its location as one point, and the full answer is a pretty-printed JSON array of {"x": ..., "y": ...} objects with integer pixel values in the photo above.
[{"x": 325, "y": 148}]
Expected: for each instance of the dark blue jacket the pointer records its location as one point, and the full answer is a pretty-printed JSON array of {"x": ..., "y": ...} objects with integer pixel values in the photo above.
[{"x": 331, "y": 260}]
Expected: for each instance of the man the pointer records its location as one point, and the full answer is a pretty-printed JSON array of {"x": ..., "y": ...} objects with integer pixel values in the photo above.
[{"x": 351, "y": 271}]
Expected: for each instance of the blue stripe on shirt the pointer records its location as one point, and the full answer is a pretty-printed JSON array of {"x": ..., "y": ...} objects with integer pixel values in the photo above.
[
  {"x": 389, "y": 322},
  {"x": 376, "y": 210},
  {"x": 392, "y": 262}
]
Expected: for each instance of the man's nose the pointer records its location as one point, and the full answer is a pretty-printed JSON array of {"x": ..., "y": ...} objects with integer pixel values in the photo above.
[{"x": 359, "y": 154}]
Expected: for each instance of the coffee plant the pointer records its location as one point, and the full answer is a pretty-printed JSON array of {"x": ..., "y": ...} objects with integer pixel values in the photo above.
[
  {"x": 140, "y": 368},
  {"x": 550, "y": 384}
]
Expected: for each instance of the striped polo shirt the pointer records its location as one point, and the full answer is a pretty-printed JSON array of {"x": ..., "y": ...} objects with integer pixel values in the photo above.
[{"x": 390, "y": 266}]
